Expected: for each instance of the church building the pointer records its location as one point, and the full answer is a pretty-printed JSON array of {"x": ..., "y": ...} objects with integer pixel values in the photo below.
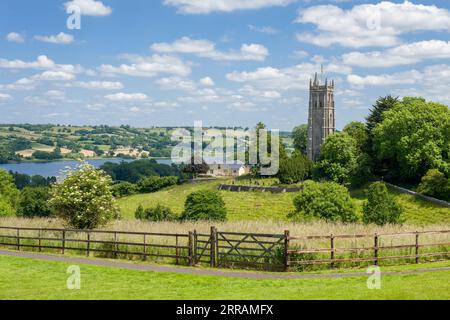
[{"x": 322, "y": 116}]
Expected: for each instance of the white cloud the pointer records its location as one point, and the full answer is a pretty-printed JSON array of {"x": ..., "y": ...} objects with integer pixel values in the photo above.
[
  {"x": 295, "y": 77},
  {"x": 408, "y": 77},
  {"x": 207, "y": 49},
  {"x": 265, "y": 29},
  {"x": 5, "y": 97},
  {"x": 96, "y": 85},
  {"x": 42, "y": 62},
  {"x": 127, "y": 97},
  {"x": 15, "y": 37},
  {"x": 54, "y": 76},
  {"x": 207, "y": 82},
  {"x": 402, "y": 55},
  {"x": 55, "y": 94},
  {"x": 21, "y": 84},
  {"x": 176, "y": 83},
  {"x": 90, "y": 7},
  {"x": 60, "y": 38},
  {"x": 149, "y": 66},
  {"x": 208, "y": 6},
  {"x": 370, "y": 24}
]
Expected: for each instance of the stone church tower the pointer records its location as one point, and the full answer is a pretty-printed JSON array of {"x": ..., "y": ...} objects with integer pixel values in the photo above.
[{"x": 322, "y": 121}]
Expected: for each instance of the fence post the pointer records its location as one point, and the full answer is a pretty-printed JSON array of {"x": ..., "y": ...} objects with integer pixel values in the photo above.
[
  {"x": 18, "y": 239},
  {"x": 177, "y": 250},
  {"x": 115, "y": 245},
  {"x": 40, "y": 235},
  {"x": 63, "y": 242},
  {"x": 88, "y": 244},
  {"x": 191, "y": 248},
  {"x": 376, "y": 249},
  {"x": 213, "y": 252},
  {"x": 417, "y": 248},
  {"x": 332, "y": 251},
  {"x": 287, "y": 256},
  {"x": 145, "y": 247},
  {"x": 195, "y": 247}
]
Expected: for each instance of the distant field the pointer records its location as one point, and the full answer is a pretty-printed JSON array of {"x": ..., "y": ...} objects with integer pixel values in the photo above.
[
  {"x": 267, "y": 206},
  {"x": 29, "y": 279}
]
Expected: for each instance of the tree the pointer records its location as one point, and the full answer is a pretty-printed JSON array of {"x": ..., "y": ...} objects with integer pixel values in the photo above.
[
  {"x": 435, "y": 184},
  {"x": 300, "y": 136},
  {"x": 204, "y": 205},
  {"x": 295, "y": 169},
  {"x": 381, "y": 208},
  {"x": 153, "y": 184},
  {"x": 376, "y": 113},
  {"x": 9, "y": 194},
  {"x": 413, "y": 138},
  {"x": 338, "y": 158},
  {"x": 358, "y": 131},
  {"x": 196, "y": 167},
  {"x": 329, "y": 201},
  {"x": 34, "y": 202},
  {"x": 84, "y": 199}
]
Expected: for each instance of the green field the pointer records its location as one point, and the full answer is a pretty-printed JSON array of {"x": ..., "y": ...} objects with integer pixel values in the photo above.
[
  {"x": 22, "y": 278},
  {"x": 267, "y": 206}
]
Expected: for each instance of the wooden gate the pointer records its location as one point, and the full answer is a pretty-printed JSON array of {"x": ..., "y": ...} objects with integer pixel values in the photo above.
[
  {"x": 251, "y": 250},
  {"x": 202, "y": 249}
]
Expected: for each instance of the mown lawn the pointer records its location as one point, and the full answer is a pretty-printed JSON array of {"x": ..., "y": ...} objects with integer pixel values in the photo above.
[
  {"x": 259, "y": 206},
  {"x": 28, "y": 279}
]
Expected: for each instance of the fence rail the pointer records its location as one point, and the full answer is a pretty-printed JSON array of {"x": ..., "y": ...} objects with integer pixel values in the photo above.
[{"x": 273, "y": 252}]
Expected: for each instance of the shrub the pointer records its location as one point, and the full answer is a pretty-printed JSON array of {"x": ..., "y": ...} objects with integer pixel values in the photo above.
[
  {"x": 34, "y": 202},
  {"x": 123, "y": 189},
  {"x": 204, "y": 205},
  {"x": 295, "y": 169},
  {"x": 84, "y": 199},
  {"x": 153, "y": 184},
  {"x": 329, "y": 201},
  {"x": 381, "y": 207},
  {"x": 435, "y": 184},
  {"x": 158, "y": 213}
]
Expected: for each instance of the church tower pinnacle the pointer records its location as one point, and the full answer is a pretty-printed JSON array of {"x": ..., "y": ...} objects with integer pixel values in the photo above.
[{"x": 322, "y": 115}]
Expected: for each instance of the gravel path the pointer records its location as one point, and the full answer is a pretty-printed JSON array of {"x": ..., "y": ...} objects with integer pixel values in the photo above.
[{"x": 200, "y": 271}]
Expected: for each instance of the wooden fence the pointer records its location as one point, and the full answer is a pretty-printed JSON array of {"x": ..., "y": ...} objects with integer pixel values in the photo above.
[{"x": 272, "y": 252}]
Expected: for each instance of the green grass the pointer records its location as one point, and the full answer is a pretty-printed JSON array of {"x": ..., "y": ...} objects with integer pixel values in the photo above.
[
  {"x": 29, "y": 279},
  {"x": 254, "y": 206}
]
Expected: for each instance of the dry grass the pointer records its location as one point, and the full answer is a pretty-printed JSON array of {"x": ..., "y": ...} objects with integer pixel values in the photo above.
[{"x": 267, "y": 226}]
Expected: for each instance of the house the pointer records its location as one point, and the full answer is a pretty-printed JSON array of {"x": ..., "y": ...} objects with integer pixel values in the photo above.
[
  {"x": 228, "y": 170},
  {"x": 88, "y": 153}
]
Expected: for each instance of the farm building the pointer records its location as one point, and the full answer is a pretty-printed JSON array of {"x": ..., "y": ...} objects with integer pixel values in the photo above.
[{"x": 228, "y": 170}]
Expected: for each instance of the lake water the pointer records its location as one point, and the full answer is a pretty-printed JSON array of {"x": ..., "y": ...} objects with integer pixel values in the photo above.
[{"x": 53, "y": 169}]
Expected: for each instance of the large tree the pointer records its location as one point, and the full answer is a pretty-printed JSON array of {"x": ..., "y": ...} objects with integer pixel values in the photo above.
[
  {"x": 338, "y": 158},
  {"x": 376, "y": 113},
  {"x": 300, "y": 136},
  {"x": 413, "y": 138}
]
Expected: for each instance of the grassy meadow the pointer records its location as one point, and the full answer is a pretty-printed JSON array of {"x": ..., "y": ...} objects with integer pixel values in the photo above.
[
  {"x": 29, "y": 279},
  {"x": 253, "y": 206}
]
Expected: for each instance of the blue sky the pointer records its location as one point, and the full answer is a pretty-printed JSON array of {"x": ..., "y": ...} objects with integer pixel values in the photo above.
[{"x": 225, "y": 62}]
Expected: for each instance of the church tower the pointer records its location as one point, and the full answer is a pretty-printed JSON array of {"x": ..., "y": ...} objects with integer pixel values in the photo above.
[{"x": 322, "y": 121}]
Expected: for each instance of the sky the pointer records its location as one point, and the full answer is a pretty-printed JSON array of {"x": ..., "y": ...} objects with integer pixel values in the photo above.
[{"x": 224, "y": 62}]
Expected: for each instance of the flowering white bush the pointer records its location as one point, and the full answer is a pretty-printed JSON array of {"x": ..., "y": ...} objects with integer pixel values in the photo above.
[{"x": 84, "y": 199}]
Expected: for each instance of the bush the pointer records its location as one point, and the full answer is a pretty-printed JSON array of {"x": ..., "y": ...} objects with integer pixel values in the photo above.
[
  {"x": 153, "y": 184},
  {"x": 435, "y": 184},
  {"x": 84, "y": 199},
  {"x": 34, "y": 202},
  {"x": 204, "y": 205},
  {"x": 123, "y": 189},
  {"x": 381, "y": 207},
  {"x": 158, "y": 213},
  {"x": 329, "y": 201},
  {"x": 295, "y": 169}
]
